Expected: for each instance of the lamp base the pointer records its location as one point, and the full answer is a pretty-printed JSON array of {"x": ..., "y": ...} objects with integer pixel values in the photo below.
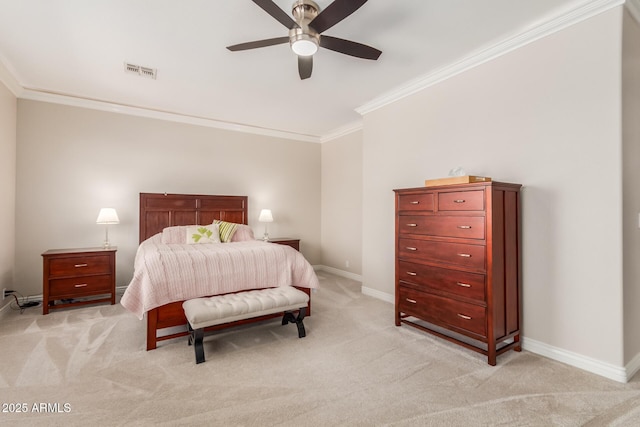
[
  {"x": 106, "y": 244},
  {"x": 265, "y": 237}
]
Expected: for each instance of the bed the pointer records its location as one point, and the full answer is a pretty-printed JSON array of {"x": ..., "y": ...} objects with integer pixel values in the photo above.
[{"x": 162, "y": 302}]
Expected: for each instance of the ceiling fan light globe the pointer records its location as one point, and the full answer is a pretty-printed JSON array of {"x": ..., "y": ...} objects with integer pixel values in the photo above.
[{"x": 304, "y": 47}]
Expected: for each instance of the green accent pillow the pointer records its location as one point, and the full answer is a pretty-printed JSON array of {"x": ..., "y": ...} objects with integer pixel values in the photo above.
[
  {"x": 227, "y": 229},
  {"x": 203, "y": 234}
]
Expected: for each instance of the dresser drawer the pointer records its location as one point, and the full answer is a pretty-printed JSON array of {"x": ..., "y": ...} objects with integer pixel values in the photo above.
[
  {"x": 470, "y": 227},
  {"x": 443, "y": 311},
  {"x": 80, "y": 265},
  {"x": 78, "y": 286},
  {"x": 455, "y": 254},
  {"x": 461, "y": 283},
  {"x": 461, "y": 201},
  {"x": 416, "y": 202}
]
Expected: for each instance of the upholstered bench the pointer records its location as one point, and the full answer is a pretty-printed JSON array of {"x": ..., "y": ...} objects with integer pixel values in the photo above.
[{"x": 204, "y": 312}]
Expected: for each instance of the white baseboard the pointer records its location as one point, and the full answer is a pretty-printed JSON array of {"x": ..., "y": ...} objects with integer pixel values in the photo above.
[
  {"x": 338, "y": 272},
  {"x": 617, "y": 373},
  {"x": 633, "y": 367},
  {"x": 5, "y": 308},
  {"x": 379, "y": 295}
]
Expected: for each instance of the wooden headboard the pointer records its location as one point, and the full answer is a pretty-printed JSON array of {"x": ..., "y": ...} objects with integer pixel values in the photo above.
[{"x": 160, "y": 210}]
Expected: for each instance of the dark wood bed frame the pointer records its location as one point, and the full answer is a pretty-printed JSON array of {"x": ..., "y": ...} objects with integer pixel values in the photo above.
[{"x": 160, "y": 210}]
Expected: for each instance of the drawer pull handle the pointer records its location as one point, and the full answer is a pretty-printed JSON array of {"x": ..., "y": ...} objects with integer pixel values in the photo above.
[
  {"x": 80, "y": 265},
  {"x": 412, "y": 301},
  {"x": 415, "y": 202},
  {"x": 464, "y": 317},
  {"x": 465, "y": 255},
  {"x": 409, "y": 248},
  {"x": 459, "y": 201},
  {"x": 464, "y": 227},
  {"x": 464, "y": 285},
  {"x": 81, "y": 285},
  {"x": 411, "y": 273},
  {"x": 412, "y": 225}
]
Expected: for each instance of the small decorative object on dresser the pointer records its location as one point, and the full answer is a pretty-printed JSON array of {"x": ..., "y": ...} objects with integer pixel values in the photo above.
[
  {"x": 74, "y": 277},
  {"x": 294, "y": 243},
  {"x": 458, "y": 264}
]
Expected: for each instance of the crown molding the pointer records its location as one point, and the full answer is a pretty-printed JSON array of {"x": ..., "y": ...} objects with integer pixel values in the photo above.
[
  {"x": 342, "y": 131},
  {"x": 94, "y": 104},
  {"x": 633, "y": 6},
  {"x": 558, "y": 23},
  {"x": 6, "y": 77}
]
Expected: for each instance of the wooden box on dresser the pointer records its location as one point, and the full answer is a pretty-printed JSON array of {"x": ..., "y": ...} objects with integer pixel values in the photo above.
[
  {"x": 458, "y": 264},
  {"x": 77, "y": 277}
]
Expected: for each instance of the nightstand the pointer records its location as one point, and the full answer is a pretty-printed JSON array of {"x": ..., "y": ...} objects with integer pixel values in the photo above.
[
  {"x": 294, "y": 243},
  {"x": 72, "y": 277}
]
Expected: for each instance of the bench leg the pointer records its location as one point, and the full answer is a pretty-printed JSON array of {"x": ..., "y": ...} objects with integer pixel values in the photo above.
[
  {"x": 290, "y": 318},
  {"x": 196, "y": 337}
]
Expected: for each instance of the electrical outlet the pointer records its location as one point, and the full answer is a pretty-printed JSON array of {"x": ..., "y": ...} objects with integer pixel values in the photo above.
[{"x": 346, "y": 263}]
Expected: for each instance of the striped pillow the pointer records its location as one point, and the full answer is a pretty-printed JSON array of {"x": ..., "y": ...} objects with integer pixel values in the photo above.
[{"x": 227, "y": 229}]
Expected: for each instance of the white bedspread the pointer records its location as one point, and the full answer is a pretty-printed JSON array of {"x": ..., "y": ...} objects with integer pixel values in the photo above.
[{"x": 165, "y": 273}]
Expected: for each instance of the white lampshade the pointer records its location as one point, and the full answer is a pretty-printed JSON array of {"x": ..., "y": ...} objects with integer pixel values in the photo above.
[
  {"x": 107, "y": 216},
  {"x": 265, "y": 216}
]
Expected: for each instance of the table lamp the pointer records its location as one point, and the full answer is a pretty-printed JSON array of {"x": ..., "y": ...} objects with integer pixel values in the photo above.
[{"x": 107, "y": 216}]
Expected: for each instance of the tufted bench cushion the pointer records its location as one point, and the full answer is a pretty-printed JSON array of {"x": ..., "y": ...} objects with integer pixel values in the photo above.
[{"x": 219, "y": 309}]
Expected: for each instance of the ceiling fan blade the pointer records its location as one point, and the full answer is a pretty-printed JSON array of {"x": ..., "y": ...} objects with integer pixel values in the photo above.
[
  {"x": 349, "y": 48},
  {"x": 280, "y": 15},
  {"x": 305, "y": 66},
  {"x": 334, "y": 13},
  {"x": 258, "y": 43}
]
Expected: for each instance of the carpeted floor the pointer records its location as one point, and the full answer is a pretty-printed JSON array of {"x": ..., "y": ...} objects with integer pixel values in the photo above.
[{"x": 88, "y": 366}]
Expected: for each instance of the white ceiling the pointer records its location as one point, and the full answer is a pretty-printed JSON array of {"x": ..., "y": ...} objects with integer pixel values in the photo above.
[{"x": 77, "y": 48}]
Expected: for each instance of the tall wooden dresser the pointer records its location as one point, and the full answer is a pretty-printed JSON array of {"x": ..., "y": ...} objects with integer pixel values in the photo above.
[{"x": 458, "y": 264}]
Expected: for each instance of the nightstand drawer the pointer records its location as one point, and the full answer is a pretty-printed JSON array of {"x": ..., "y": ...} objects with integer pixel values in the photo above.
[
  {"x": 458, "y": 315},
  {"x": 294, "y": 243},
  {"x": 469, "y": 227},
  {"x": 80, "y": 265},
  {"x": 78, "y": 286}
]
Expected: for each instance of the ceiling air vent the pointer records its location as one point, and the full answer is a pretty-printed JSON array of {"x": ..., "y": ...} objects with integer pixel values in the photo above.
[{"x": 149, "y": 73}]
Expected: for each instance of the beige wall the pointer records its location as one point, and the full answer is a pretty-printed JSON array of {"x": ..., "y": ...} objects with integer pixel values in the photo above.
[
  {"x": 547, "y": 116},
  {"x": 631, "y": 185},
  {"x": 73, "y": 161},
  {"x": 8, "y": 113},
  {"x": 342, "y": 203}
]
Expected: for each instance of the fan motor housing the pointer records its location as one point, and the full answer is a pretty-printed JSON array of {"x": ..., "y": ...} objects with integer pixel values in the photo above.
[{"x": 304, "y": 11}]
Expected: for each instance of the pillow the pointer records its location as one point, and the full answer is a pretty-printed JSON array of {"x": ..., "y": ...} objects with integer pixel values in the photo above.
[
  {"x": 203, "y": 234},
  {"x": 174, "y": 234},
  {"x": 227, "y": 229},
  {"x": 243, "y": 233}
]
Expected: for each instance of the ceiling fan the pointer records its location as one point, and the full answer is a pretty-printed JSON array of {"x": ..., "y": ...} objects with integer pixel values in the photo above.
[{"x": 305, "y": 31}]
